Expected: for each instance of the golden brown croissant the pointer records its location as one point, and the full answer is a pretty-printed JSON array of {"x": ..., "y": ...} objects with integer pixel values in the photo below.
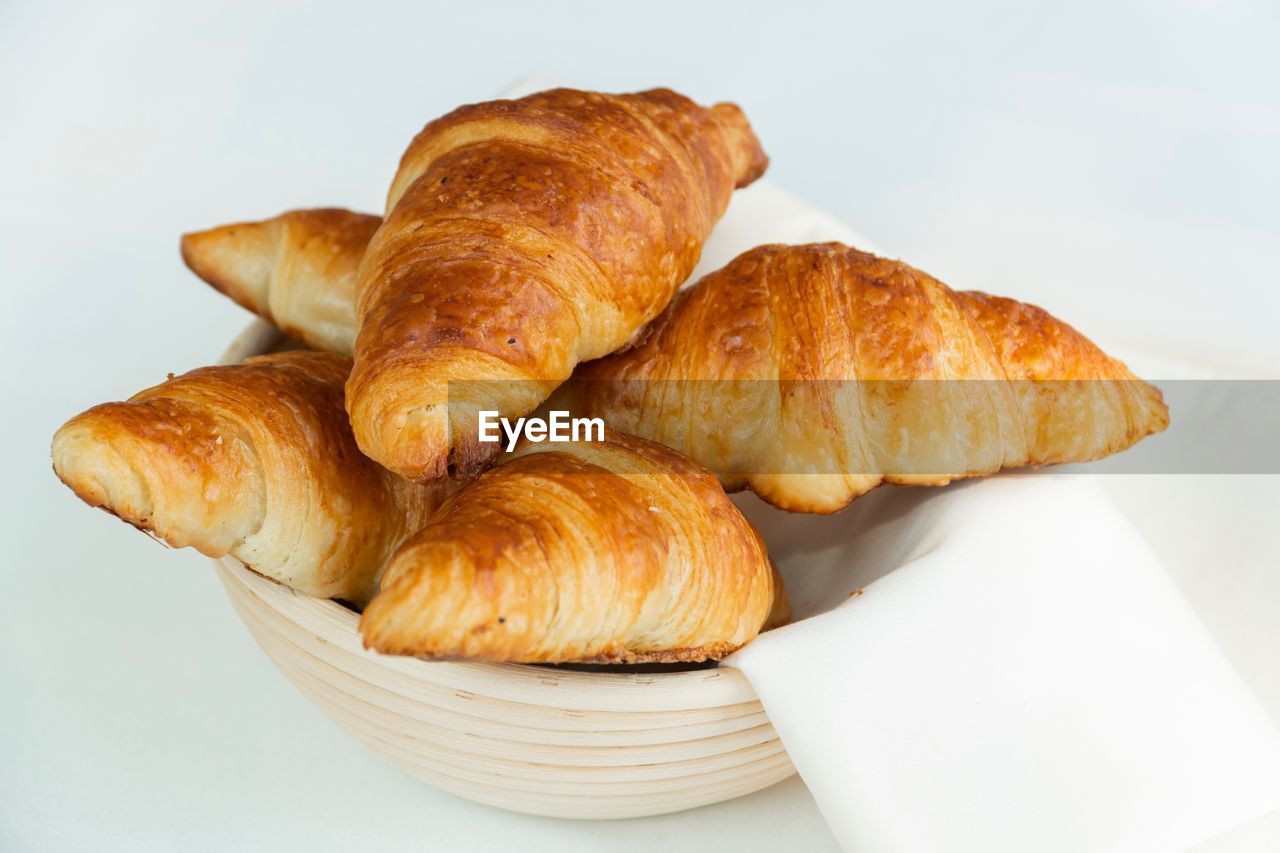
[
  {"x": 781, "y": 330},
  {"x": 254, "y": 460},
  {"x": 523, "y": 237},
  {"x": 616, "y": 551},
  {"x": 297, "y": 270}
]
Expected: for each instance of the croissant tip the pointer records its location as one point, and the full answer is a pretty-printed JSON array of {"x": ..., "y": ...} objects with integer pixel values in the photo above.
[
  {"x": 749, "y": 159},
  {"x": 366, "y": 640},
  {"x": 377, "y": 628},
  {"x": 189, "y": 245},
  {"x": 100, "y": 471}
]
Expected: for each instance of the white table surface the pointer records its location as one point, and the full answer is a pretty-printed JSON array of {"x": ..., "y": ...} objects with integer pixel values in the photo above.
[{"x": 1117, "y": 164}]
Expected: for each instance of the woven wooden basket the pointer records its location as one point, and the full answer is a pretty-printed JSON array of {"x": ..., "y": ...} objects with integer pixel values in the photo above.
[{"x": 543, "y": 740}]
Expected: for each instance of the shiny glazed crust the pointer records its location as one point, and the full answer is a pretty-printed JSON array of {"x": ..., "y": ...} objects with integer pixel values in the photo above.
[
  {"x": 253, "y": 460},
  {"x": 620, "y": 551},
  {"x": 523, "y": 237},
  {"x": 828, "y": 312},
  {"x": 296, "y": 270}
]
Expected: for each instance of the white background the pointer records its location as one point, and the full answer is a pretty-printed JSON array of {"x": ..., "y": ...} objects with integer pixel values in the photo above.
[{"x": 1119, "y": 163}]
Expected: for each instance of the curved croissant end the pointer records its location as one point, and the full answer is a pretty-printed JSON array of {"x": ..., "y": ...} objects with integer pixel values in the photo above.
[
  {"x": 620, "y": 551},
  {"x": 296, "y": 270},
  {"x": 253, "y": 460},
  {"x": 806, "y": 319},
  {"x": 523, "y": 237}
]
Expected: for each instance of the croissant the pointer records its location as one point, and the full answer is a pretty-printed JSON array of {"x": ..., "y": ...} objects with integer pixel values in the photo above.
[
  {"x": 296, "y": 270},
  {"x": 254, "y": 460},
  {"x": 523, "y": 237},
  {"x": 614, "y": 551},
  {"x": 811, "y": 374}
]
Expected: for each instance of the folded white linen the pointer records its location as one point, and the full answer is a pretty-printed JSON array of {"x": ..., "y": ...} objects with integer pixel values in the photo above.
[{"x": 1023, "y": 677}]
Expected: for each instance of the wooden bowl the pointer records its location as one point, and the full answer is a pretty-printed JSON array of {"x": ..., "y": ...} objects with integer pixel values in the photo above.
[{"x": 580, "y": 743}]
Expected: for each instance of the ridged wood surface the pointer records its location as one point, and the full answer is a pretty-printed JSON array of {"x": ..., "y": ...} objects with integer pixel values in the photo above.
[{"x": 542, "y": 740}]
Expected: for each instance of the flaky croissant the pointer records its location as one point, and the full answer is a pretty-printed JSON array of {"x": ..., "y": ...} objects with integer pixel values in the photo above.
[
  {"x": 254, "y": 460},
  {"x": 810, "y": 374},
  {"x": 296, "y": 270},
  {"x": 615, "y": 551},
  {"x": 523, "y": 237}
]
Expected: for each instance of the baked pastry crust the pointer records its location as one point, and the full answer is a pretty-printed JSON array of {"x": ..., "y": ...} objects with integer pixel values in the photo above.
[
  {"x": 296, "y": 270},
  {"x": 621, "y": 551},
  {"x": 833, "y": 370},
  {"x": 521, "y": 238},
  {"x": 256, "y": 461}
]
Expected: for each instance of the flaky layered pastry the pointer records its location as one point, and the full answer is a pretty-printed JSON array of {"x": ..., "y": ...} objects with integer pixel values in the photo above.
[
  {"x": 523, "y": 237},
  {"x": 621, "y": 551},
  {"x": 811, "y": 374},
  {"x": 254, "y": 460},
  {"x": 296, "y": 270}
]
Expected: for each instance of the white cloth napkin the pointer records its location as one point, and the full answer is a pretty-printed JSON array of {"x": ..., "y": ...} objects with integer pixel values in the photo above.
[
  {"x": 1024, "y": 677},
  {"x": 1018, "y": 673}
]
